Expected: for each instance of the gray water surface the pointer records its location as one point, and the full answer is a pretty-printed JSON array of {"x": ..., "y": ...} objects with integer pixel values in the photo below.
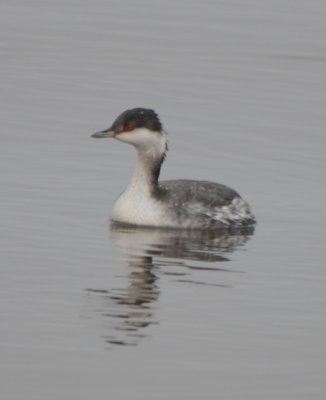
[{"x": 88, "y": 310}]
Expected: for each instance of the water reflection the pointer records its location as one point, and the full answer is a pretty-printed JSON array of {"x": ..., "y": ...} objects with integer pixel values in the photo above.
[{"x": 154, "y": 253}]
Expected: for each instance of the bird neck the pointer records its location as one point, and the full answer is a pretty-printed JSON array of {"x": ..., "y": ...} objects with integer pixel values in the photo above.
[{"x": 149, "y": 161}]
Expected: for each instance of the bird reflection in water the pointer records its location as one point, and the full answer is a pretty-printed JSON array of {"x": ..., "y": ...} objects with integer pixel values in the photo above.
[{"x": 153, "y": 253}]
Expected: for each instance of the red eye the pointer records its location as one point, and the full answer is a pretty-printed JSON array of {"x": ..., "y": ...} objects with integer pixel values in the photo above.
[{"x": 128, "y": 127}]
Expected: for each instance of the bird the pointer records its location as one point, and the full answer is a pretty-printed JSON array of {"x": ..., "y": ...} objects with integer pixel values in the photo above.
[{"x": 181, "y": 203}]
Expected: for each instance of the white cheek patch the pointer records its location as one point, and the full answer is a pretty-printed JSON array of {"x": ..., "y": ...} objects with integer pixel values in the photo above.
[
  {"x": 139, "y": 136},
  {"x": 152, "y": 145}
]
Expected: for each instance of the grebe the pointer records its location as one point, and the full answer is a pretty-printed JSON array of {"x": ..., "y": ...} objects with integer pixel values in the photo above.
[{"x": 174, "y": 203}]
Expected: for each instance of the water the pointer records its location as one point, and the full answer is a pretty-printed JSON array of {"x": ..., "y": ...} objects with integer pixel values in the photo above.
[{"x": 88, "y": 310}]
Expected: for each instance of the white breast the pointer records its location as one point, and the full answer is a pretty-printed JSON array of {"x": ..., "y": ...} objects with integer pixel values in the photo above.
[{"x": 138, "y": 208}]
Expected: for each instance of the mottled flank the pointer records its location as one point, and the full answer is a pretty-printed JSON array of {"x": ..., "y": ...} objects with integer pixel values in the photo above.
[{"x": 202, "y": 204}]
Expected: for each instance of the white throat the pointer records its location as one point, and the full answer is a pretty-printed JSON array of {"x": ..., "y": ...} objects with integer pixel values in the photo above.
[
  {"x": 136, "y": 204},
  {"x": 151, "y": 148}
]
